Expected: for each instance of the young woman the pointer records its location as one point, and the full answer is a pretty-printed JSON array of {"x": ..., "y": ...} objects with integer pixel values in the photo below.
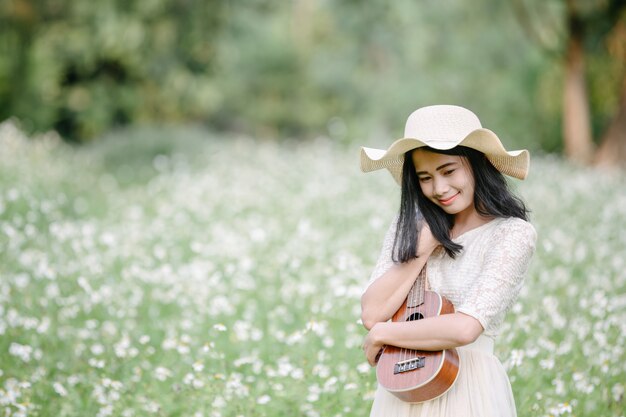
[{"x": 458, "y": 218}]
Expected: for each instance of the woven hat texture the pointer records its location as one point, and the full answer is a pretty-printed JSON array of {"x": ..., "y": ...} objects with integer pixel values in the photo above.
[{"x": 444, "y": 127}]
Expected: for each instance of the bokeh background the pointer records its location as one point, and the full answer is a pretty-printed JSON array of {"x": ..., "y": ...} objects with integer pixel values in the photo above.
[
  {"x": 184, "y": 230},
  {"x": 306, "y": 68}
]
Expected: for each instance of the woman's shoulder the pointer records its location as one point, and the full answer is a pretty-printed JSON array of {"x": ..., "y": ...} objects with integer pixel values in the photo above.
[
  {"x": 515, "y": 223},
  {"x": 516, "y": 229}
]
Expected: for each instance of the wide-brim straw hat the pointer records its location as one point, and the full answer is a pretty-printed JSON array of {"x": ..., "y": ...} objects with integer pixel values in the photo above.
[{"x": 444, "y": 127}]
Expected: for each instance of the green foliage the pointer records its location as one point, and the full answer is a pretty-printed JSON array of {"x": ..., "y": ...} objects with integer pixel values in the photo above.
[
  {"x": 286, "y": 69},
  {"x": 81, "y": 68}
]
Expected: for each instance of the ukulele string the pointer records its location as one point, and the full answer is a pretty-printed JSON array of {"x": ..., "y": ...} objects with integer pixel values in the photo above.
[
  {"x": 409, "y": 301},
  {"x": 413, "y": 314},
  {"x": 418, "y": 305},
  {"x": 410, "y": 311},
  {"x": 414, "y": 309}
]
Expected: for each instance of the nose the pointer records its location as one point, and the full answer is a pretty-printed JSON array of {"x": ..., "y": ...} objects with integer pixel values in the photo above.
[{"x": 440, "y": 186}]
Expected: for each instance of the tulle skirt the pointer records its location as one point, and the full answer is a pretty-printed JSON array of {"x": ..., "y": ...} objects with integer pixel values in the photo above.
[{"x": 482, "y": 389}]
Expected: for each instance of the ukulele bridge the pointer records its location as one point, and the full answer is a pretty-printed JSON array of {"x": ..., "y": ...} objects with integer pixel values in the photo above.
[{"x": 409, "y": 365}]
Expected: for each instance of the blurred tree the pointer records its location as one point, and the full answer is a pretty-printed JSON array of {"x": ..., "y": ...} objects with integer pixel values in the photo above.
[
  {"x": 585, "y": 30},
  {"x": 264, "y": 67},
  {"x": 82, "y": 67},
  {"x": 278, "y": 69},
  {"x": 612, "y": 151}
]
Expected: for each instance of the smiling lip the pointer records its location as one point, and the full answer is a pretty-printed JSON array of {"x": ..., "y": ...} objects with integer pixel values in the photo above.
[{"x": 449, "y": 200}]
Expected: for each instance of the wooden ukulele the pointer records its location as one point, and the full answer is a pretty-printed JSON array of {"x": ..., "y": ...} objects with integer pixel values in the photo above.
[{"x": 414, "y": 375}]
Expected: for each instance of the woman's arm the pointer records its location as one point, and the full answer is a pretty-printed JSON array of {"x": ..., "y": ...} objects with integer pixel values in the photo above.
[
  {"x": 433, "y": 333},
  {"x": 386, "y": 294},
  {"x": 502, "y": 274}
]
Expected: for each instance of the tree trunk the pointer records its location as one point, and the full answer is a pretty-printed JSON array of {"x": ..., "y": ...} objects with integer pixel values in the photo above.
[
  {"x": 576, "y": 117},
  {"x": 612, "y": 151}
]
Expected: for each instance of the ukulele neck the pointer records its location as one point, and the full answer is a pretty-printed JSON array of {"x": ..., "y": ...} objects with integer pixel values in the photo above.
[{"x": 416, "y": 294}]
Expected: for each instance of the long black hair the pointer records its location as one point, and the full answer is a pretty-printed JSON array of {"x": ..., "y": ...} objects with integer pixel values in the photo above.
[{"x": 492, "y": 197}]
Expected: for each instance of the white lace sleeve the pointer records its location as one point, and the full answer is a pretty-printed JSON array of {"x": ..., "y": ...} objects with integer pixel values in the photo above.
[
  {"x": 502, "y": 274},
  {"x": 384, "y": 259}
]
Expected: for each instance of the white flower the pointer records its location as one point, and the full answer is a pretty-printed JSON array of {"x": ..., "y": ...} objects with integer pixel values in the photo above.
[
  {"x": 546, "y": 363},
  {"x": 314, "y": 393},
  {"x": 322, "y": 371},
  {"x": 330, "y": 384},
  {"x": 152, "y": 407},
  {"x": 218, "y": 402},
  {"x": 219, "y": 327},
  {"x": 560, "y": 409},
  {"x": 328, "y": 342},
  {"x": 161, "y": 373},
  {"x": 169, "y": 344},
  {"x": 364, "y": 367},
  {"x": 73, "y": 380},
  {"x": 618, "y": 392},
  {"x": 105, "y": 411},
  {"x": 297, "y": 373},
  {"x": 517, "y": 356},
  {"x": 559, "y": 386},
  {"x": 264, "y": 399},
  {"x": 96, "y": 363},
  {"x": 24, "y": 352},
  {"x": 242, "y": 330},
  {"x": 582, "y": 384},
  {"x": 183, "y": 349},
  {"x": 59, "y": 389},
  {"x": 97, "y": 349}
]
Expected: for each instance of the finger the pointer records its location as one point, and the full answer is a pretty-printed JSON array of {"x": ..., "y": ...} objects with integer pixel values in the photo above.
[{"x": 372, "y": 359}]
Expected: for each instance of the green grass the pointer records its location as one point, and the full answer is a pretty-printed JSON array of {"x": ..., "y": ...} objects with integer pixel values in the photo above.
[{"x": 175, "y": 273}]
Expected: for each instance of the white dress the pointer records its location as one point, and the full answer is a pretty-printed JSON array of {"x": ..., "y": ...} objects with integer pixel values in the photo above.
[{"x": 483, "y": 281}]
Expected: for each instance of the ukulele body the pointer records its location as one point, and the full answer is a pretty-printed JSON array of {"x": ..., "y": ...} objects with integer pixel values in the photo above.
[{"x": 415, "y": 375}]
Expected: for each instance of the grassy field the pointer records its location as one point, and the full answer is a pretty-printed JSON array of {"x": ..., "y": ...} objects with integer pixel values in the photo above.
[{"x": 173, "y": 273}]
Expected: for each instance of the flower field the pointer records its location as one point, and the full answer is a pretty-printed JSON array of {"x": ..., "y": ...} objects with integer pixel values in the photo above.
[{"x": 173, "y": 273}]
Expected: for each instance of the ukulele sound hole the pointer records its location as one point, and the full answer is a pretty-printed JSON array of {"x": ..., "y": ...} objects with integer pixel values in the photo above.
[{"x": 415, "y": 316}]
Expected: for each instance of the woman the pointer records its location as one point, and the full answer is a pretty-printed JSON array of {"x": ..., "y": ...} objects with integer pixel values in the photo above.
[{"x": 476, "y": 243}]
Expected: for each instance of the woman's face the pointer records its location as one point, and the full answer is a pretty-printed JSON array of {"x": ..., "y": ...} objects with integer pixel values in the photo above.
[{"x": 446, "y": 180}]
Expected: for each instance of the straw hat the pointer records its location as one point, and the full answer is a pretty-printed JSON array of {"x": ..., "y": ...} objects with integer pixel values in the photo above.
[{"x": 444, "y": 127}]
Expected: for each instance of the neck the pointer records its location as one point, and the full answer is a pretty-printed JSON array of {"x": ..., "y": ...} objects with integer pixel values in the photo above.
[{"x": 468, "y": 220}]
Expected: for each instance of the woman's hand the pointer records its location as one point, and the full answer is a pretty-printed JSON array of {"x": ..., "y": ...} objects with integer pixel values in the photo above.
[
  {"x": 426, "y": 241},
  {"x": 372, "y": 346}
]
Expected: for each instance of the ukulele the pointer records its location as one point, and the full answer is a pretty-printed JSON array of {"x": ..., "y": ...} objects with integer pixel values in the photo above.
[{"x": 414, "y": 375}]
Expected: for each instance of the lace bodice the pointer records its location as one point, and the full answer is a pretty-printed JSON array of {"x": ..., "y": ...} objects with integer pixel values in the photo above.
[{"x": 483, "y": 280}]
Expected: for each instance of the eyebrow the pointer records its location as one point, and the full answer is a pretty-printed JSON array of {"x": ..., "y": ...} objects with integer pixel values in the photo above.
[{"x": 437, "y": 169}]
